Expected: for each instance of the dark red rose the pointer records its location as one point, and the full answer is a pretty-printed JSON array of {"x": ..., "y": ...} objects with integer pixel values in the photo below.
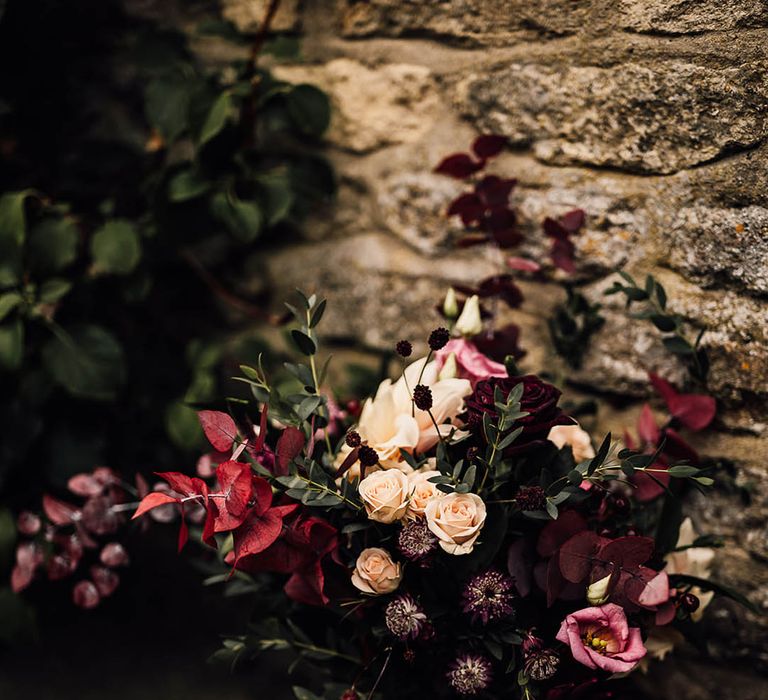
[{"x": 539, "y": 401}]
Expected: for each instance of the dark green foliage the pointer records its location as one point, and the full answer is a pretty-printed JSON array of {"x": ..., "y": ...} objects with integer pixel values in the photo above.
[{"x": 572, "y": 326}]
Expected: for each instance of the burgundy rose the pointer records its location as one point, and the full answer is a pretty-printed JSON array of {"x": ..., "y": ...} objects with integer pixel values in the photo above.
[{"x": 539, "y": 401}]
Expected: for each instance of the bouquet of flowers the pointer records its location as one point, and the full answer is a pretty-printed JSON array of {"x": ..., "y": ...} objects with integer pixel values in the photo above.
[{"x": 459, "y": 533}]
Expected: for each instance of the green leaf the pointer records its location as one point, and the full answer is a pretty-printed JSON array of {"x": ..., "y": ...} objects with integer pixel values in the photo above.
[
  {"x": 52, "y": 244},
  {"x": 11, "y": 345},
  {"x": 8, "y": 302},
  {"x": 664, "y": 323},
  {"x": 187, "y": 184},
  {"x": 277, "y": 195},
  {"x": 183, "y": 426},
  {"x": 303, "y": 342},
  {"x": 218, "y": 116},
  {"x": 53, "y": 289},
  {"x": 683, "y": 470},
  {"x": 243, "y": 219},
  {"x": 166, "y": 106},
  {"x": 87, "y": 361},
  {"x": 317, "y": 315},
  {"x": 678, "y": 345},
  {"x": 13, "y": 233},
  {"x": 7, "y": 537},
  {"x": 661, "y": 296},
  {"x": 574, "y": 477},
  {"x": 116, "y": 248},
  {"x": 552, "y": 510},
  {"x": 309, "y": 108}
]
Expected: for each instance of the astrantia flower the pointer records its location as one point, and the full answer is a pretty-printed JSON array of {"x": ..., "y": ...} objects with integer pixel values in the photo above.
[
  {"x": 470, "y": 674},
  {"x": 488, "y": 596},
  {"x": 540, "y": 663},
  {"x": 404, "y": 617},
  {"x": 531, "y": 498},
  {"x": 416, "y": 541}
]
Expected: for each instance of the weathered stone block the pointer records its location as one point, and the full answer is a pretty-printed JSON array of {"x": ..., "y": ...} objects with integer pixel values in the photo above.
[
  {"x": 692, "y": 16},
  {"x": 392, "y": 104},
  {"x": 657, "y": 117},
  {"x": 248, "y": 15},
  {"x": 491, "y": 22}
]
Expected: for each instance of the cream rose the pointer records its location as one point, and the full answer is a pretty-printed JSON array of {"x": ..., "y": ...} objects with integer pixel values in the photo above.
[
  {"x": 375, "y": 572},
  {"x": 385, "y": 495},
  {"x": 422, "y": 490},
  {"x": 576, "y": 437},
  {"x": 456, "y": 520},
  {"x": 694, "y": 561},
  {"x": 389, "y": 423}
]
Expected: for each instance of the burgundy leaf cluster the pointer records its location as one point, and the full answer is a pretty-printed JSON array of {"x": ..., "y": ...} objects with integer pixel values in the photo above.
[
  {"x": 72, "y": 539},
  {"x": 560, "y": 231}
]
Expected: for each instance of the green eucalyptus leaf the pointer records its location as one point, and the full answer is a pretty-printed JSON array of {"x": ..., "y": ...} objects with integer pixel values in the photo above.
[
  {"x": 166, "y": 106},
  {"x": 52, "y": 244},
  {"x": 11, "y": 345},
  {"x": 54, "y": 289},
  {"x": 8, "y": 302},
  {"x": 217, "y": 118},
  {"x": 309, "y": 109},
  {"x": 678, "y": 345},
  {"x": 116, "y": 248},
  {"x": 242, "y": 218},
  {"x": 303, "y": 342},
  {"x": 187, "y": 184}
]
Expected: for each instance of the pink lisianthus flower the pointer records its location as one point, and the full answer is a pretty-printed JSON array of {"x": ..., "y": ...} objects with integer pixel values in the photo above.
[
  {"x": 600, "y": 638},
  {"x": 470, "y": 362}
]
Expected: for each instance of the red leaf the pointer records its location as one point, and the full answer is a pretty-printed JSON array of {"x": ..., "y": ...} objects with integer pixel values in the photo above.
[
  {"x": 58, "y": 512},
  {"x": 628, "y": 552},
  {"x": 114, "y": 554},
  {"x": 256, "y": 534},
  {"x": 469, "y": 207},
  {"x": 494, "y": 191},
  {"x": 488, "y": 145},
  {"x": 85, "y": 595},
  {"x": 219, "y": 428},
  {"x": 85, "y": 485},
  {"x": 562, "y": 254},
  {"x": 504, "y": 287},
  {"x": 235, "y": 480},
  {"x": 656, "y": 591},
  {"x": 289, "y": 446},
  {"x": 523, "y": 264},
  {"x": 573, "y": 220},
  {"x": 555, "y": 581},
  {"x": 559, "y": 531},
  {"x": 183, "y": 532},
  {"x": 694, "y": 411},
  {"x": 259, "y": 446},
  {"x": 349, "y": 460},
  {"x": 28, "y": 557},
  {"x": 262, "y": 495},
  {"x": 459, "y": 165},
  {"x": 647, "y": 428},
  {"x": 471, "y": 240},
  {"x": 153, "y": 500},
  {"x": 577, "y": 554},
  {"x": 105, "y": 580},
  {"x": 28, "y": 523}
]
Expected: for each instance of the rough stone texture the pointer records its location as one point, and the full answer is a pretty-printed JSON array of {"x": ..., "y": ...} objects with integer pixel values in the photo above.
[
  {"x": 658, "y": 116},
  {"x": 651, "y": 116},
  {"x": 692, "y": 16},
  {"x": 373, "y": 108},
  {"x": 248, "y": 15},
  {"x": 475, "y": 21}
]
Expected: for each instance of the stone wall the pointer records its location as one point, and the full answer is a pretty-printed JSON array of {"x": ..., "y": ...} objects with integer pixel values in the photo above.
[{"x": 652, "y": 115}]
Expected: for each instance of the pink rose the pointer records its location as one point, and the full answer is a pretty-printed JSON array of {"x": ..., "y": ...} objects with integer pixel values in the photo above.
[
  {"x": 601, "y": 638},
  {"x": 471, "y": 363}
]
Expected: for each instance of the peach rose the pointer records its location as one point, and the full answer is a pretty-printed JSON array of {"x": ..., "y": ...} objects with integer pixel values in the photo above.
[
  {"x": 456, "y": 520},
  {"x": 422, "y": 491},
  {"x": 385, "y": 495},
  {"x": 576, "y": 437},
  {"x": 375, "y": 572}
]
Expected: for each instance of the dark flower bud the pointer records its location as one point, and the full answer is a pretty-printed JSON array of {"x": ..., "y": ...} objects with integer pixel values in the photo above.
[
  {"x": 368, "y": 456},
  {"x": 472, "y": 453},
  {"x": 690, "y": 603},
  {"x": 353, "y": 439},
  {"x": 404, "y": 348},
  {"x": 422, "y": 397},
  {"x": 349, "y": 695},
  {"x": 621, "y": 505},
  {"x": 439, "y": 338}
]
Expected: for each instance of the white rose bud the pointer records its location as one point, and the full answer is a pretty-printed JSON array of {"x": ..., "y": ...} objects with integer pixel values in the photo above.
[
  {"x": 375, "y": 572},
  {"x": 470, "y": 323},
  {"x": 385, "y": 495},
  {"x": 576, "y": 437},
  {"x": 450, "y": 369},
  {"x": 597, "y": 593},
  {"x": 450, "y": 305},
  {"x": 456, "y": 520},
  {"x": 422, "y": 491}
]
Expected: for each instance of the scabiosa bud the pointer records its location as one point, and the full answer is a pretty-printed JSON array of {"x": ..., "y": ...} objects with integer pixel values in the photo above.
[
  {"x": 470, "y": 674},
  {"x": 531, "y": 498},
  {"x": 368, "y": 456},
  {"x": 404, "y": 348},
  {"x": 422, "y": 397},
  {"x": 416, "y": 541},
  {"x": 488, "y": 596},
  {"x": 349, "y": 695},
  {"x": 409, "y": 656},
  {"x": 689, "y": 602},
  {"x": 404, "y": 617},
  {"x": 353, "y": 439},
  {"x": 439, "y": 338}
]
